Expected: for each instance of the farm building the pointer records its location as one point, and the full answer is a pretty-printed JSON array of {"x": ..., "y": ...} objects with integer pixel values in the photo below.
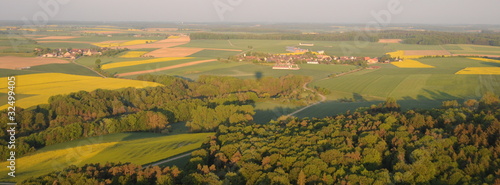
[
  {"x": 287, "y": 66},
  {"x": 304, "y": 44},
  {"x": 312, "y": 62}
]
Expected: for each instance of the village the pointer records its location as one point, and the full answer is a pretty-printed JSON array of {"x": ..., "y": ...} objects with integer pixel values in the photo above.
[
  {"x": 68, "y": 53},
  {"x": 296, "y": 55}
]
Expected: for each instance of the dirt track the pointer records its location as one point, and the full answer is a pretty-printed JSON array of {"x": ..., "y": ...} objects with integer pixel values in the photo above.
[
  {"x": 165, "y": 68},
  {"x": 11, "y": 62}
]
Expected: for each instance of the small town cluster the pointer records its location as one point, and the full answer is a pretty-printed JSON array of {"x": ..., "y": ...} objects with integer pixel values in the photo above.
[{"x": 298, "y": 55}]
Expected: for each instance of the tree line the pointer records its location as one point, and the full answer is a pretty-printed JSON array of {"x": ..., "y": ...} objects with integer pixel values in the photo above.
[
  {"x": 408, "y": 37},
  {"x": 227, "y": 100}
]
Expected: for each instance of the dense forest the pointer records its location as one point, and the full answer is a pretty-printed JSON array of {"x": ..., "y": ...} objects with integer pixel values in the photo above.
[
  {"x": 455, "y": 144},
  {"x": 204, "y": 104},
  {"x": 408, "y": 37}
]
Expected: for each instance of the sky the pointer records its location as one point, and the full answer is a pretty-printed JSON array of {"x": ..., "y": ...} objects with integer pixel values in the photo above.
[{"x": 266, "y": 11}]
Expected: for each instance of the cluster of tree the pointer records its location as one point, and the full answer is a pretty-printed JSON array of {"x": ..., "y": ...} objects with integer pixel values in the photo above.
[
  {"x": 456, "y": 144},
  {"x": 113, "y": 52},
  {"x": 110, "y": 173},
  {"x": 409, "y": 37},
  {"x": 205, "y": 104}
]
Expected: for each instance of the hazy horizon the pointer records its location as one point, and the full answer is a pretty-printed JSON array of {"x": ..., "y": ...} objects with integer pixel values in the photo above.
[{"x": 244, "y": 11}]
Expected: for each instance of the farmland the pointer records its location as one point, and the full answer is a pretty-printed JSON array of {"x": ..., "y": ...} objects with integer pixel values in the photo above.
[
  {"x": 133, "y": 54},
  {"x": 41, "y": 86},
  {"x": 123, "y": 44},
  {"x": 10, "y": 62},
  {"x": 139, "y": 62},
  {"x": 480, "y": 71},
  {"x": 140, "y": 148},
  {"x": 413, "y": 86},
  {"x": 409, "y": 63}
]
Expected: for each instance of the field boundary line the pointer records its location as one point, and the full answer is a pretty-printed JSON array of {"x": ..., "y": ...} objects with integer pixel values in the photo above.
[
  {"x": 73, "y": 61},
  {"x": 170, "y": 159},
  {"x": 165, "y": 68}
]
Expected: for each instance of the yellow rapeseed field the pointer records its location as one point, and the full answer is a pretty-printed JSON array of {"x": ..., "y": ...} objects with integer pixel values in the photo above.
[
  {"x": 485, "y": 59},
  {"x": 174, "y": 37},
  {"x": 133, "y": 54},
  {"x": 480, "y": 71},
  {"x": 127, "y": 43},
  {"x": 408, "y": 63},
  {"x": 401, "y": 54},
  {"x": 139, "y": 62},
  {"x": 34, "y": 89},
  {"x": 407, "y": 60}
]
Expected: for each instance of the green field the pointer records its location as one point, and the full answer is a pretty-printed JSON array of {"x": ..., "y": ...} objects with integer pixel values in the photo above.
[
  {"x": 139, "y": 148},
  {"x": 64, "y": 68},
  {"x": 249, "y": 70},
  {"x": 433, "y": 83}
]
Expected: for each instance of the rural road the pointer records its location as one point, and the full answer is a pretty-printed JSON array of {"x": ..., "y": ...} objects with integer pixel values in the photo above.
[
  {"x": 323, "y": 98},
  {"x": 171, "y": 159}
]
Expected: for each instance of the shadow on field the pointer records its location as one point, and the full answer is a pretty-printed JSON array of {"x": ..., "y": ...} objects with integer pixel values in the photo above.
[{"x": 264, "y": 116}]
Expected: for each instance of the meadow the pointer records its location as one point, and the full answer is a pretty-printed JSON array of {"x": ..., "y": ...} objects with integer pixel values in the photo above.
[
  {"x": 139, "y": 148},
  {"x": 41, "y": 86}
]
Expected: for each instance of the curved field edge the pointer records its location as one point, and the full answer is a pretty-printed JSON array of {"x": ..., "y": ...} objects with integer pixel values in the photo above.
[
  {"x": 42, "y": 86},
  {"x": 146, "y": 149}
]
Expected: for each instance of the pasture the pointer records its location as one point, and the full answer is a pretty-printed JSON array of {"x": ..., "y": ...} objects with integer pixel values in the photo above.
[
  {"x": 41, "y": 86},
  {"x": 139, "y": 148}
]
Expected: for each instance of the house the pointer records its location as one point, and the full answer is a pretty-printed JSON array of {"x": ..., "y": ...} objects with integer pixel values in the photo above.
[
  {"x": 49, "y": 55},
  {"x": 304, "y": 44},
  {"x": 287, "y": 66},
  {"x": 373, "y": 61},
  {"x": 91, "y": 53}
]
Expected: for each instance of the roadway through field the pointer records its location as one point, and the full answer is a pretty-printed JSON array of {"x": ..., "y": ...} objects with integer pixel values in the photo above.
[
  {"x": 323, "y": 98},
  {"x": 171, "y": 159}
]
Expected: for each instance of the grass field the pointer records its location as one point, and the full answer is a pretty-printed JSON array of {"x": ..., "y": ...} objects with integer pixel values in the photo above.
[
  {"x": 155, "y": 64},
  {"x": 43, "y": 85},
  {"x": 121, "y": 44},
  {"x": 139, "y": 148},
  {"x": 426, "y": 83},
  {"x": 249, "y": 70}
]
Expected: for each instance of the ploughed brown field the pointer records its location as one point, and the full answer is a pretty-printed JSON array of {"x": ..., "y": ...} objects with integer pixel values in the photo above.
[
  {"x": 11, "y": 62},
  {"x": 390, "y": 40},
  {"x": 56, "y": 38},
  {"x": 165, "y": 68},
  {"x": 426, "y": 52}
]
